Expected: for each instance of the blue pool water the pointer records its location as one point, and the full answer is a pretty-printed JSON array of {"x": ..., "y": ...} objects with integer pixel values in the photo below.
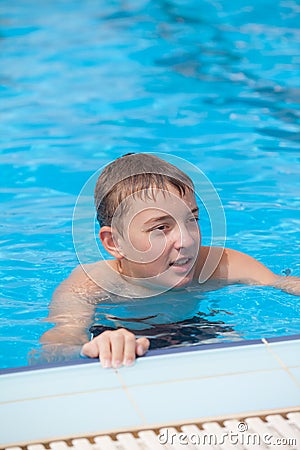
[{"x": 215, "y": 82}]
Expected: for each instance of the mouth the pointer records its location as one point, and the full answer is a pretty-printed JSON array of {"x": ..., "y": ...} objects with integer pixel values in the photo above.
[{"x": 182, "y": 263}]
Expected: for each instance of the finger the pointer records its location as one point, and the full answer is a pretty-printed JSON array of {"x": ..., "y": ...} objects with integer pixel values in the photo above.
[
  {"x": 117, "y": 348},
  {"x": 99, "y": 347},
  {"x": 129, "y": 349},
  {"x": 105, "y": 353},
  {"x": 142, "y": 346},
  {"x": 90, "y": 349}
]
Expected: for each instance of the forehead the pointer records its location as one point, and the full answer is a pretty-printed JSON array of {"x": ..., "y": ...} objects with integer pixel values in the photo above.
[{"x": 162, "y": 202}]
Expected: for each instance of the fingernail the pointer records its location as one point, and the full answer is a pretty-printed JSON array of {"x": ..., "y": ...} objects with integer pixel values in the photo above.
[
  {"x": 140, "y": 350},
  {"x": 117, "y": 364},
  {"x": 106, "y": 363},
  {"x": 128, "y": 362}
]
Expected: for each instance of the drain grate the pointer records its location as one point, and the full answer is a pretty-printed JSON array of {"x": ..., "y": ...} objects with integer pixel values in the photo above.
[{"x": 280, "y": 430}]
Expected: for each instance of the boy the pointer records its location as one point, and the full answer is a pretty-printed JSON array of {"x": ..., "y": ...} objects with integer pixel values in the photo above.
[{"x": 148, "y": 218}]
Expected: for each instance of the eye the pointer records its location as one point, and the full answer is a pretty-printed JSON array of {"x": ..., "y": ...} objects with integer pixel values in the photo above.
[
  {"x": 161, "y": 228},
  {"x": 194, "y": 219}
]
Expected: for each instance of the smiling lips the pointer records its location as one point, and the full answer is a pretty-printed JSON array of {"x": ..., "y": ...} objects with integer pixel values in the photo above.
[{"x": 182, "y": 264}]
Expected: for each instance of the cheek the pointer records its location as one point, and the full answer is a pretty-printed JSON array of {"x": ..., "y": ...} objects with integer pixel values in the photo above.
[
  {"x": 195, "y": 232},
  {"x": 144, "y": 247},
  {"x": 137, "y": 242},
  {"x": 153, "y": 241}
]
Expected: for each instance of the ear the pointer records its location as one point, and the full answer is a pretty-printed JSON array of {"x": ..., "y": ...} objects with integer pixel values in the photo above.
[{"x": 109, "y": 240}]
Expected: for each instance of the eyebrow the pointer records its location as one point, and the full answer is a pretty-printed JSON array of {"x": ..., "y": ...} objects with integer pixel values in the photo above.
[{"x": 166, "y": 216}]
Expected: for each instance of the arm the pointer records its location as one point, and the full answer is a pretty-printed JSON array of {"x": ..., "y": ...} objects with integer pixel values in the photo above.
[
  {"x": 72, "y": 310},
  {"x": 237, "y": 267}
]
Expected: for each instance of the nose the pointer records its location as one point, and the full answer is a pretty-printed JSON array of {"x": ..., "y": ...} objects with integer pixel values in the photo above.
[{"x": 183, "y": 238}]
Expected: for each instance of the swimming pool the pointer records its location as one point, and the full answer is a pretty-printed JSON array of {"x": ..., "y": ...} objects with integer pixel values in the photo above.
[{"x": 84, "y": 82}]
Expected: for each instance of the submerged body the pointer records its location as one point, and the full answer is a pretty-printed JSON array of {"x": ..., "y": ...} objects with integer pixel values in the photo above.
[
  {"x": 74, "y": 309},
  {"x": 149, "y": 224}
]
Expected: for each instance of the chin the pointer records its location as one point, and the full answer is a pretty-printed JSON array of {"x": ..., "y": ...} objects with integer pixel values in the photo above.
[
  {"x": 167, "y": 281},
  {"x": 183, "y": 283},
  {"x": 178, "y": 283}
]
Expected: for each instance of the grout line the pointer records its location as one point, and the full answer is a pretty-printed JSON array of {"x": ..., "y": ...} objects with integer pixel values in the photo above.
[
  {"x": 180, "y": 380},
  {"x": 68, "y": 394},
  {"x": 274, "y": 354},
  {"x": 124, "y": 386},
  {"x": 131, "y": 399},
  {"x": 156, "y": 383}
]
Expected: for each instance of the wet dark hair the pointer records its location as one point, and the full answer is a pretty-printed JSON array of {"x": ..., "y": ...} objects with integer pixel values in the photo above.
[{"x": 139, "y": 174}]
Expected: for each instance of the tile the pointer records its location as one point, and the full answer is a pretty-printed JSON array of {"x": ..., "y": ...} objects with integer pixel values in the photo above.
[
  {"x": 196, "y": 364},
  {"x": 229, "y": 394},
  {"x": 295, "y": 371},
  {"x": 87, "y": 399},
  {"x": 58, "y": 417},
  {"x": 56, "y": 381},
  {"x": 288, "y": 352}
]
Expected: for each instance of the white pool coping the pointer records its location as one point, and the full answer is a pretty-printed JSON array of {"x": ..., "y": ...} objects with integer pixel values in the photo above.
[{"x": 191, "y": 386}]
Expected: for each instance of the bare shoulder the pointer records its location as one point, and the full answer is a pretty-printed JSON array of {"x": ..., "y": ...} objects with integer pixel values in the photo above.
[
  {"x": 76, "y": 277},
  {"x": 233, "y": 266},
  {"x": 81, "y": 281},
  {"x": 228, "y": 266},
  {"x": 238, "y": 267}
]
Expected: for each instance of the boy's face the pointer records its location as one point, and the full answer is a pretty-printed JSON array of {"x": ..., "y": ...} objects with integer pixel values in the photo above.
[{"x": 160, "y": 239}]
